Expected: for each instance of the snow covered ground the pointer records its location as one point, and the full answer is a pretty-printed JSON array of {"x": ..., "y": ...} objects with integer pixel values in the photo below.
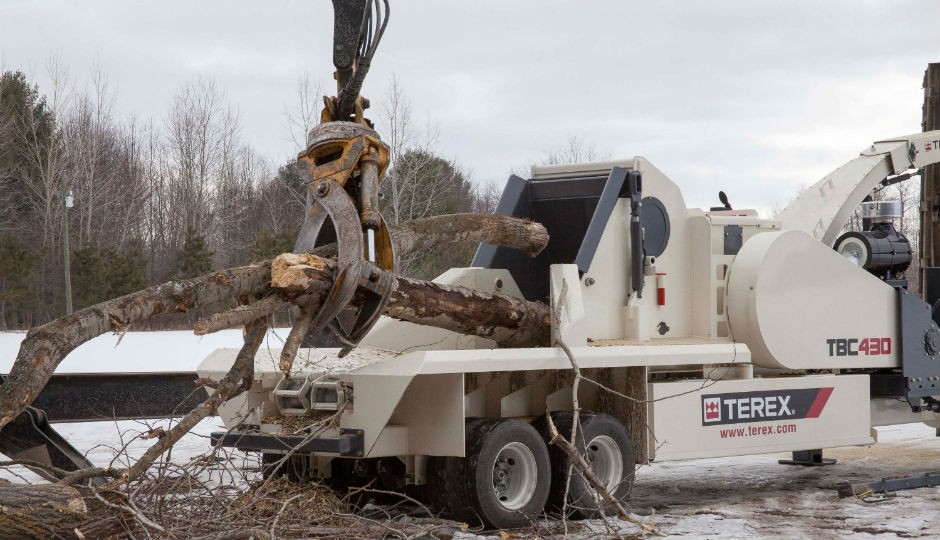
[
  {"x": 754, "y": 497},
  {"x": 739, "y": 497},
  {"x": 139, "y": 351}
]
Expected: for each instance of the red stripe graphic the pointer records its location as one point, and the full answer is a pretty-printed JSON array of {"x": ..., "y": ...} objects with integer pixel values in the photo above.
[{"x": 821, "y": 398}]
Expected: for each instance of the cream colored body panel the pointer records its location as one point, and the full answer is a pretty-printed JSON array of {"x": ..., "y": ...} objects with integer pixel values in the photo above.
[
  {"x": 710, "y": 266},
  {"x": 611, "y": 314},
  {"x": 676, "y": 417},
  {"x": 789, "y": 296}
]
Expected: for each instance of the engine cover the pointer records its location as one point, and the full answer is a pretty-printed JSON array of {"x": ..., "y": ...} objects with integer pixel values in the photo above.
[{"x": 798, "y": 304}]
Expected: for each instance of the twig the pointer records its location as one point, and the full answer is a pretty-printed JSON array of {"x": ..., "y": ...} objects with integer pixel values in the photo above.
[
  {"x": 245, "y": 534},
  {"x": 575, "y": 386},
  {"x": 297, "y": 332},
  {"x": 136, "y": 513},
  {"x": 91, "y": 472},
  {"x": 32, "y": 464},
  {"x": 240, "y": 315},
  {"x": 582, "y": 466},
  {"x": 281, "y": 511},
  {"x": 63, "y": 476}
]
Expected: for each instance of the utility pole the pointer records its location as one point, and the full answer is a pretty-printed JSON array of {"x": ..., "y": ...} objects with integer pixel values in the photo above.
[{"x": 68, "y": 202}]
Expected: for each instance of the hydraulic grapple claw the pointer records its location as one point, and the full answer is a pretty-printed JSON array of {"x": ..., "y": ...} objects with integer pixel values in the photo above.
[{"x": 345, "y": 163}]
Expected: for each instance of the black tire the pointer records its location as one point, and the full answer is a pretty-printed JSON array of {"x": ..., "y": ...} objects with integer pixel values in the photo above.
[
  {"x": 509, "y": 450},
  {"x": 609, "y": 438},
  {"x": 442, "y": 478}
]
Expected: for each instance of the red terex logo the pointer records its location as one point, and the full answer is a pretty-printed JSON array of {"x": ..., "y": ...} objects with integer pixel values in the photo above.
[
  {"x": 854, "y": 346},
  {"x": 712, "y": 409}
]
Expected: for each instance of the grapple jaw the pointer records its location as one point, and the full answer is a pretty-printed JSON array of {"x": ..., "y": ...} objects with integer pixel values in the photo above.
[{"x": 345, "y": 162}]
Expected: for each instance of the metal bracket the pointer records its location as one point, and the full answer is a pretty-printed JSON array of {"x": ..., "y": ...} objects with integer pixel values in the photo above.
[
  {"x": 349, "y": 442},
  {"x": 30, "y": 436},
  {"x": 734, "y": 239},
  {"x": 886, "y": 485},
  {"x": 808, "y": 458}
]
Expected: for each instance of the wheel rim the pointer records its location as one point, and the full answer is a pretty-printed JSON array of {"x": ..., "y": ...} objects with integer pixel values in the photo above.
[
  {"x": 515, "y": 475},
  {"x": 603, "y": 454}
]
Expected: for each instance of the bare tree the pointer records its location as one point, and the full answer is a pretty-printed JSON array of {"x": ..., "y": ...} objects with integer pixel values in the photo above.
[
  {"x": 45, "y": 151},
  {"x": 159, "y": 229},
  {"x": 486, "y": 197},
  {"x": 575, "y": 150},
  {"x": 415, "y": 181},
  {"x": 908, "y": 192},
  {"x": 104, "y": 168},
  {"x": 234, "y": 203},
  {"x": 202, "y": 135},
  {"x": 306, "y": 112}
]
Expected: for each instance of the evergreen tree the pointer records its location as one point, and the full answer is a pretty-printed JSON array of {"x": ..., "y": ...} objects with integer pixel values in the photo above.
[
  {"x": 127, "y": 272},
  {"x": 195, "y": 258},
  {"x": 22, "y": 110},
  {"x": 17, "y": 285},
  {"x": 101, "y": 273},
  {"x": 89, "y": 276},
  {"x": 268, "y": 246}
]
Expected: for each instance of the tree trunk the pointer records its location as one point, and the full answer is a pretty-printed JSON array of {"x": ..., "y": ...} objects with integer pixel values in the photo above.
[
  {"x": 39, "y": 511},
  {"x": 507, "y": 320}
]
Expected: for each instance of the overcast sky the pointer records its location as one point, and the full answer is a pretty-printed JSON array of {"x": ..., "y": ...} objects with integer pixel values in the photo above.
[{"x": 754, "y": 97}]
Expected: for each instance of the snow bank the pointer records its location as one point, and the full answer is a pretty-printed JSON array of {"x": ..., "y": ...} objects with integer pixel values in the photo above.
[{"x": 138, "y": 351}]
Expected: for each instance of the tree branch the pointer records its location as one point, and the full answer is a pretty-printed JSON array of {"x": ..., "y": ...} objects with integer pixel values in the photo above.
[{"x": 46, "y": 346}]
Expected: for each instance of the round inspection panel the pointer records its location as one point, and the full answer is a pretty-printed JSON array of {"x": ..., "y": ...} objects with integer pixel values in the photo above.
[{"x": 655, "y": 222}]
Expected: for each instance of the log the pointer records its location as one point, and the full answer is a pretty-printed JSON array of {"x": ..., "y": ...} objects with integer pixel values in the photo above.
[
  {"x": 40, "y": 511},
  {"x": 46, "y": 346},
  {"x": 520, "y": 234},
  {"x": 507, "y": 320}
]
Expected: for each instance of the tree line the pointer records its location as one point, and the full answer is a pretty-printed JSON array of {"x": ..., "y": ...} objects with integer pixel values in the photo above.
[{"x": 176, "y": 197}]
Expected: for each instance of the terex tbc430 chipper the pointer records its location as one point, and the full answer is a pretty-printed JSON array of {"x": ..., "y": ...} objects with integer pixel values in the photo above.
[{"x": 708, "y": 333}]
